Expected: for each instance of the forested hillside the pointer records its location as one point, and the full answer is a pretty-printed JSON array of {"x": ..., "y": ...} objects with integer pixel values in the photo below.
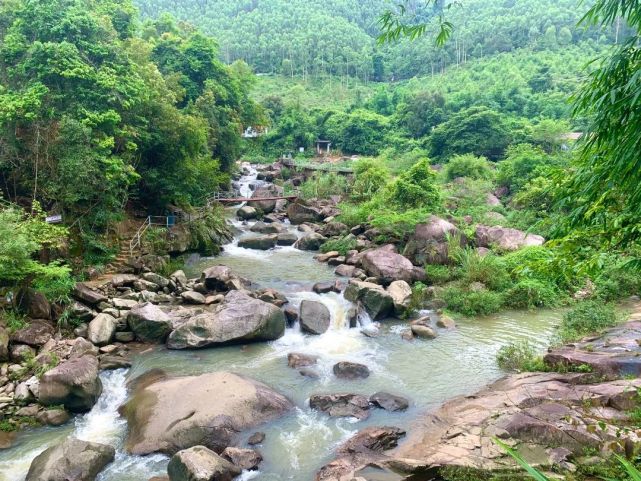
[
  {"x": 338, "y": 37},
  {"x": 93, "y": 113}
]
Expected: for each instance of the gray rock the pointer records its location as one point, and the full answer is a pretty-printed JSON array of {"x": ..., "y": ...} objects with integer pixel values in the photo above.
[
  {"x": 217, "y": 278},
  {"x": 425, "y": 332},
  {"x": 149, "y": 323},
  {"x": 314, "y": 317},
  {"x": 168, "y": 414},
  {"x": 311, "y": 241},
  {"x": 102, "y": 329},
  {"x": 87, "y": 295},
  {"x": 505, "y": 239},
  {"x": 33, "y": 303},
  {"x": 193, "y": 297},
  {"x": 263, "y": 228},
  {"x": 247, "y": 213},
  {"x": 299, "y": 213},
  {"x": 245, "y": 459},
  {"x": 401, "y": 293},
  {"x": 71, "y": 460},
  {"x": 74, "y": 384},
  {"x": 120, "y": 280},
  {"x": 341, "y": 405},
  {"x": 385, "y": 264},
  {"x": 389, "y": 402},
  {"x": 200, "y": 464},
  {"x": 263, "y": 242},
  {"x": 37, "y": 333},
  {"x": 239, "y": 318},
  {"x": 154, "y": 278},
  {"x": 286, "y": 239},
  {"x": 351, "y": 370},
  {"x": 120, "y": 303},
  {"x": 296, "y": 360}
]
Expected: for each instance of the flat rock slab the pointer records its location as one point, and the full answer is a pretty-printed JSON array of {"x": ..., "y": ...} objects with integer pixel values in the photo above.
[
  {"x": 170, "y": 414},
  {"x": 535, "y": 412},
  {"x": 615, "y": 354}
]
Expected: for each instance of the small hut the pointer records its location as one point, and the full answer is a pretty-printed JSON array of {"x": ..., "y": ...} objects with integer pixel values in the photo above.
[{"x": 323, "y": 147}]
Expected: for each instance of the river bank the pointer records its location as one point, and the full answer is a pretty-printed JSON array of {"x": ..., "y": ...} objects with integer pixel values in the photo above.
[{"x": 299, "y": 440}]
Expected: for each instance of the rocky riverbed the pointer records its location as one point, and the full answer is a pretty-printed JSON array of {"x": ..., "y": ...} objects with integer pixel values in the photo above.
[{"x": 266, "y": 363}]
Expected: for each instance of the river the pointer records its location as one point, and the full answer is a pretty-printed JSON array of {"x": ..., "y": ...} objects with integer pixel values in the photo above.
[{"x": 459, "y": 361}]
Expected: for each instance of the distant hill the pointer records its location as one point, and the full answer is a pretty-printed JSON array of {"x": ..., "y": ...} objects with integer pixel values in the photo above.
[{"x": 312, "y": 38}]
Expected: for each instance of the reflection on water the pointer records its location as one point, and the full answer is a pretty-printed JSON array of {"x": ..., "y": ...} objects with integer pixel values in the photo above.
[{"x": 459, "y": 361}]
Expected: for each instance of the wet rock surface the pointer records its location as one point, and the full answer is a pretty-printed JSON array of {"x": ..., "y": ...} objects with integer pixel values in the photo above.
[{"x": 169, "y": 414}]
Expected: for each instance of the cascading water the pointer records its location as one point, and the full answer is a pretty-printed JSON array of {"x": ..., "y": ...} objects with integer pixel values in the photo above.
[{"x": 427, "y": 372}]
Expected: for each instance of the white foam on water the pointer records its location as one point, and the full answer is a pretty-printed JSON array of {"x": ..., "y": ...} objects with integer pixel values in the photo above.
[
  {"x": 310, "y": 433},
  {"x": 247, "y": 475}
]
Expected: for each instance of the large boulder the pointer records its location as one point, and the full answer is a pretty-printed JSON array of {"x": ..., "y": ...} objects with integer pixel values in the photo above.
[
  {"x": 87, "y": 295},
  {"x": 334, "y": 229},
  {"x": 70, "y": 460},
  {"x": 265, "y": 202},
  {"x": 74, "y": 384},
  {"x": 217, "y": 278},
  {"x": 505, "y": 238},
  {"x": 312, "y": 241},
  {"x": 239, "y": 318},
  {"x": 314, "y": 317},
  {"x": 259, "y": 242},
  {"x": 388, "y": 266},
  {"x": 149, "y": 323},
  {"x": 263, "y": 228},
  {"x": 170, "y": 414},
  {"x": 247, "y": 213},
  {"x": 34, "y": 304},
  {"x": 299, "y": 213},
  {"x": 200, "y": 464},
  {"x": 401, "y": 293},
  {"x": 377, "y": 302},
  {"x": 101, "y": 329},
  {"x": 429, "y": 243},
  {"x": 36, "y": 333}
]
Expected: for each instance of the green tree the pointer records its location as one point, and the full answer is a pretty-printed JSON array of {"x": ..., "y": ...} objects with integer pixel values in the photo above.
[{"x": 477, "y": 130}]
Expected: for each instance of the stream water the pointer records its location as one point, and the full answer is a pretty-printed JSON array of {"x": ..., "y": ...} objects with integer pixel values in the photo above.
[{"x": 459, "y": 361}]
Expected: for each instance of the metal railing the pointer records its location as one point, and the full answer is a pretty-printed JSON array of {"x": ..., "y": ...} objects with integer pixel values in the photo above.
[{"x": 167, "y": 221}]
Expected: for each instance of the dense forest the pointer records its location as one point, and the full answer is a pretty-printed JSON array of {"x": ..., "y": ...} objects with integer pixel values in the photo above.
[
  {"x": 96, "y": 112},
  {"x": 338, "y": 37}
]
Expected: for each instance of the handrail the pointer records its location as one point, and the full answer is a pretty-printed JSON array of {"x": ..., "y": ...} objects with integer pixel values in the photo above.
[{"x": 136, "y": 241}]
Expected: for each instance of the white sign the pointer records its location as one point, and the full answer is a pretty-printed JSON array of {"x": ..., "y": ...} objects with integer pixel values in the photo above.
[{"x": 54, "y": 219}]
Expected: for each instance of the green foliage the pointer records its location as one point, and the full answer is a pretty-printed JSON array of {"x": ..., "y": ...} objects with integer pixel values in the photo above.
[
  {"x": 523, "y": 162},
  {"x": 438, "y": 274},
  {"x": 357, "y": 132},
  {"x": 477, "y": 130},
  {"x": 469, "y": 166},
  {"x": 341, "y": 246},
  {"x": 323, "y": 186},
  {"x": 472, "y": 302},
  {"x": 92, "y": 112},
  {"x": 531, "y": 293},
  {"x": 489, "y": 270},
  {"x": 21, "y": 236},
  {"x": 520, "y": 357},
  {"x": 371, "y": 176},
  {"x": 415, "y": 188},
  {"x": 55, "y": 289},
  {"x": 13, "y": 320},
  {"x": 588, "y": 317}
]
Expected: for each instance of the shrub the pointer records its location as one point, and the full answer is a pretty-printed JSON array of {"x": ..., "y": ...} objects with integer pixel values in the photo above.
[
  {"x": 489, "y": 270},
  {"x": 56, "y": 290},
  {"x": 415, "y": 188},
  {"x": 371, "y": 176},
  {"x": 13, "y": 320},
  {"x": 469, "y": 166},
  {"x": 323, "y": 186},
  {"x": 519, "y": 356},
  {"x": 472, "y": 303},
  {"x": 587, "y": 317},
  {"x": 438, "y": 274},
  {"x": 339, "y": 245},
  {"x": 616, "y": 283},
  {"x": 530, "y": 293}
]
